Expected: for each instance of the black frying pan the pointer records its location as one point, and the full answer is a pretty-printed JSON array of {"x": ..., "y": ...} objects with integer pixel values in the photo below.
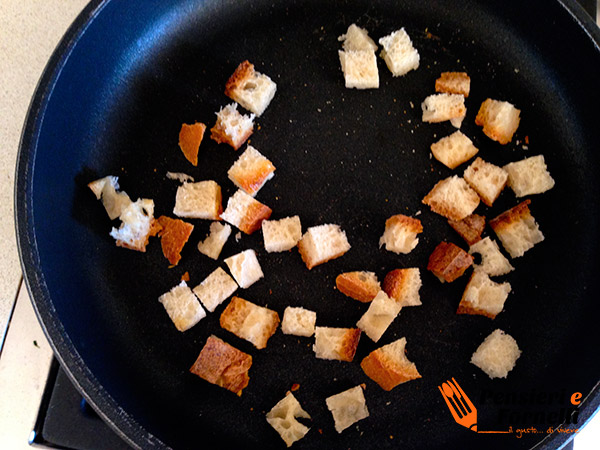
[{"x": 111, "y": 101}]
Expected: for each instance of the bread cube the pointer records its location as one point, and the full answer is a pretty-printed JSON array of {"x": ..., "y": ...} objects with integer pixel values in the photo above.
[
  {"x": 499, "y": 120},
  {"x": 106, "y": 189},
  {"x": 493, "y": 262},
  {"x": 359, "y": 69},
  {"x": 403, "y": 285},
  {"x": 249, "y": 321},
  {"x": 453, "y": 83},
  {"x": 400, "y": 234},
  {"x": 245, "y": 268},
  {"x": 201, "y": 200},
  {"x": 356, "y": 39},
  {"x": 251, "y": 171},
  {"x": 245, "y": 212},
  {"x": 281, "y": 235},
  {"x": 283, "y": 417},
  {"x": 322, "y": 243},
  {"x": 380, "y": 315},
  {"x": 452, "y": 198},
  {"x": 448, "y": 262},
  {"x": 137, "y": 225},
  {"x": 336, "y": 343},
  {"x": 298, "y": 321},
  {"x": 223, "y": 365},
  {"x": 212, "y": 245},
  {"x": 232, "y": 127},
  {"x": 486, "y": 179},
  {"x": 517, "y": 229},
  {"x": 442, "y": 107},
  {"x": 347, "y": 407},
  {"x": 529, "y": 176},
  {"x": 360, "y": 285},
  {"x": 182, "y": 306},
  {"x": 388, "y": 366},
  {"x": 470, "y": 228},
  {"x": 497, "y": 354},
  {"x": 483, "y": 296},
  {"x": 215, "y": 289},
  {"x": 453, "y": 150},
  {"x": 251, "y": 89},
  {"x": 398, "y": 53},
  {"x": 190, "y": 138},
  {"x": 174, "y": 234}
]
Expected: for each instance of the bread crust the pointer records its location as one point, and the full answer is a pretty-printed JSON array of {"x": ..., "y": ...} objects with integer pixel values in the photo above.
[
  {"x": 254, "y": 216},
  {"x": 358, "y": 285},
  {"x": 395, "y": 284},
  {"x": 190, "y": 138},
  {"x": 174, "y": 234},
  {"x": 244, "y": 71},
  {"x": 386, "y": 371},
  {"x": 453, "y": 83},
  {"x": 350, "y": 344},
  {"x": 448, "y": 261}
]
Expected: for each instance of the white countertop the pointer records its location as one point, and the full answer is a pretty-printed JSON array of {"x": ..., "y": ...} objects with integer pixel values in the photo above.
[{"x": 29, "y": 32}]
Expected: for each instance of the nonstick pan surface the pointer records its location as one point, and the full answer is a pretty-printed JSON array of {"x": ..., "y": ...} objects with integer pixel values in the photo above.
[{"x": 111, "y": 102}]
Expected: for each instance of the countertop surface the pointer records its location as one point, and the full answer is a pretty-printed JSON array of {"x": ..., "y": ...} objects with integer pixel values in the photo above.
[{"x": 29, "y": 32}]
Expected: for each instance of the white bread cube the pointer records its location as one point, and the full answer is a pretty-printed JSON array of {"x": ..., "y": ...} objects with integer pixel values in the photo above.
[
  {"x": 499, "y": 120},
  {"x": 359, "y": 285},
  {"x": 493, "y": 262},
  {"x": 182, "y": 306},
  {"x": 298, "y": 321},
  {"x": 483, "y": 296},
  {"x": 403, "y": 285},
  {"x": 281, "y": 235},
  {"x": 347, "y": 407},
  {"x": 245, "y": 212},
  {"x": 442, "y": 107},
  {"x": 380, "y": 315},
  {"x": 357, "y": 38},
  {"x": 486, "y": 179},
  {"x": 106, "y": 189},
  {"x": 137, "y": 220},
  {"x": 336, "y": 343},
  {"x": 388, "y": 366},
  {"x": 400, "y": 234},
  {"x": 215, "y": 289},
  {"x": 497, "y": 354},
  {"x": 245, "y": 268},
  {"x": 283, "y": 417},
  {"x": 453, "y": 150},
  {"x": 359, "y": 69},
  {"x": 249, "y": 321},
  {"x": 453, "y": 83},
  {"x": 452, "y": 198},
  {"x": 201, "y": 200},
  {"x": 529, "y": 176},
  {"x": 398, "y": 53},
  {"x": 232, "y": 127},
  {"x": 251, "y": 89},
  {"x": 517, "y": 229},
  {"x": 212, "y": 245},
  {"x": 251, "y": 171},
  {"x": 322, "y": 243}
]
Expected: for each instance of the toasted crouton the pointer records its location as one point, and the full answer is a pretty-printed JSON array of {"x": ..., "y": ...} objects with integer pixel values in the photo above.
[
  {"x": 486, "y": 179},
  {"x": 251, "y": 171},
  {"x": 249, "y": 321},
  {"x": 245, "y": 268},
  {"x": 357, "y": 38},
  {"x": 283, "y": 417},
  {"x": 215, "y": 289},
  {"x": 232, "y": 127},
  {"x": 448, "y": 261},
  {"x": 336, "y": 343},
  {"x": 298, "y": 321},
  {"x": 174, "y": 234},
  {"x": 281, "y": 235},
  {"x": 360, "y": 69},
  {"x": 182, "y": 306},
  {"x": 398, "y": 53},
  {"x": 106, "y": 189},
  {"x": 212, "y": 245},
  {"x": 453, "y": 150},
  {"x": 388, "y": 366},
  {"x": 251, "y": 89},
  {"x": 347, "y": 407},
  {"x": 470, "y": 228},
  {"x": 245, "y": 212},
  {"x": 380, "y": 315},
  {"x": 442, "y": 107},
  {"x": 517, "y": 229},
  {"x": 137, "y": 225},
  {"x": 493, "y": 262},
  {"x": 499, "y": 120},
  {"x": 190, "y": 138},
  {"x": 403, "y": 286},
  {"x": 223, "y": 365},
  {"x": 361, "y": 285},
  {"x": 400, "y": 235},
  {"x": 483, "y": 296},
  {"x": 497, "y": 354},
  {"x": 201, "y": 200},
  {"x": 322, "y": 243},
  {"x": 453, "y": 83},
  {"x": 452, "y": 198},
  {"x": 529, "y": 176}
]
